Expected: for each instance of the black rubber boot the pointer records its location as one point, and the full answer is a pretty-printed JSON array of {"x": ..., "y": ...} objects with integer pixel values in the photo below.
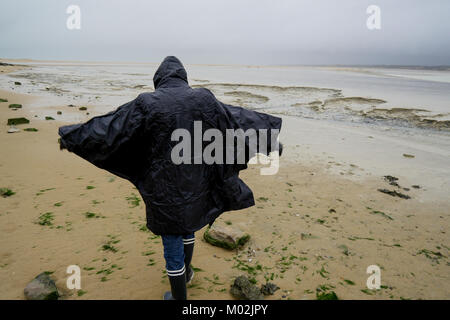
[
  {"x": 188, "y": 252},
  {"x": 178, "y": 288}
]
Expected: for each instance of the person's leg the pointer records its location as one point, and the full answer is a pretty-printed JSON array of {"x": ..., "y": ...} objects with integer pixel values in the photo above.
[
  {"x": 174, "y": 256},
  {"x": 188, "y": 241}
]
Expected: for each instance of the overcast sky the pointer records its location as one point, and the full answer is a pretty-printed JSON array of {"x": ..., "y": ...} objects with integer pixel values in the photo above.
[{"x": 413, "y": 32}]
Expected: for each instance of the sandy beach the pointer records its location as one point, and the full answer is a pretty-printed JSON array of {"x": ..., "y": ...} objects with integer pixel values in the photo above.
[{"x": 319, "y": 222}]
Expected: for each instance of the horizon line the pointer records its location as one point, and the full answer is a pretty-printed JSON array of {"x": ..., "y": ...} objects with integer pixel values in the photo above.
[{"x": 51, "y": 61}]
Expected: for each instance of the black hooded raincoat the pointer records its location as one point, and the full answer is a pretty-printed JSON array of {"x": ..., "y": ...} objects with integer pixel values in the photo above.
[{"x": 134, "y": 142}]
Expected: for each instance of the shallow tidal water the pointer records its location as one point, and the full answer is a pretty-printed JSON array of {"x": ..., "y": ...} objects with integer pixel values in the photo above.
[{"x": 398, "y": 97}]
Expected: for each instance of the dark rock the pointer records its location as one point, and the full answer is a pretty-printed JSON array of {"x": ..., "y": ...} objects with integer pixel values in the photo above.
[
  {"x": 392, "y": 180},
  {"x": 408, "y": 155},
  {"x": 269, "y": 288},
  {"x": 243, "y": 289},
  {"x": 15, "y": 106},
  {"x": 41, "y": 288},
  {"x": 59, "y": 112},
  {"x": 82, "y": 108},
  {"x": 15, "y": 121},
  {"x": 416, "y": 186},
  {"x": 17, "y": 83},
  {"x": 395, "y": 193},
  {"x": 49, "y": 118}
]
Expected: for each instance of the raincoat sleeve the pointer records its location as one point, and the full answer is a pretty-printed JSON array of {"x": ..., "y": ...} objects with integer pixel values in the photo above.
[
  {"x": 246, "y": 119},
  {"x": 112, "y": 141},
  {"x": 240, "y": 118}
]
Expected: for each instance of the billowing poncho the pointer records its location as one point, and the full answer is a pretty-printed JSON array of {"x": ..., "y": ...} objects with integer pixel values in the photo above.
[{"x": 134, "y": 142}]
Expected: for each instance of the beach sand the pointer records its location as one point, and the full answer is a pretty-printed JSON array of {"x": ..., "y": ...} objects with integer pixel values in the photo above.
[{"x": 310, "y": 227}]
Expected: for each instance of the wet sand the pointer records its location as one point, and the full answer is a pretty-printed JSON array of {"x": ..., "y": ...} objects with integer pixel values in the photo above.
[{"x": 319, "y": 222}]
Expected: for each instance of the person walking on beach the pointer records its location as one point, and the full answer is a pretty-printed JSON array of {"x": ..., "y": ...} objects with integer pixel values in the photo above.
[{"x": 136, "y": 142}]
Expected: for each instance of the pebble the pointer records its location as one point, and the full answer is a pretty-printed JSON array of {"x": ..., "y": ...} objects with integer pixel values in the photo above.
[{"x": 13, "y": 129}]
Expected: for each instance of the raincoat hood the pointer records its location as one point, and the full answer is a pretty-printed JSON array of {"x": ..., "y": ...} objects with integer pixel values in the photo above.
[{"x": 170, "y": 72}]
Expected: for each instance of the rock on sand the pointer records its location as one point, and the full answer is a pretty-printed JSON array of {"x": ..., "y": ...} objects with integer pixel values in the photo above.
[
  {"x": 225, "y": 236},
  {"x": 41, "y": 288}
]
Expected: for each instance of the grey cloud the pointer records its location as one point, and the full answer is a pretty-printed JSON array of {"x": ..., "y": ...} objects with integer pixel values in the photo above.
[{"x": 231, "y": 31}]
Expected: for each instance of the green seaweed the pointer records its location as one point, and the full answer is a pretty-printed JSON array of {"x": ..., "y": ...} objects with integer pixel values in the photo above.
[
  {"x": 107, "y": 271},
  {"x": 381, "y": 213},
  {"x": 44, "y": 190},
  {"x": 46, "y": 219},
  {"x": 148, "y": 253},
  {"x": 323, "y": 293},
  {"x": 323, "y": 273},
  {"x": 109, "y": 247},
  {"x": 432, "y": 255},
  {"x": 5, "y": 192},
  {"x": 81, "y": 292},
  {"x": 88, "y": 268},
  {"x": 243, "y": 266},
  {"x": 92, "y": 215},
  {"x": 196, "y": 269},
  {"x": 344, "y": 249},
  {"x": 367, "y": 291},
  {"x": 133, "y": 200},
  {"x": 144, "y": 228}
]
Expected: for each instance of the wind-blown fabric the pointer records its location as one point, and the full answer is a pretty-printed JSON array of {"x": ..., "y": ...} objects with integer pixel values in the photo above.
[{"x": 134, "y": 142}]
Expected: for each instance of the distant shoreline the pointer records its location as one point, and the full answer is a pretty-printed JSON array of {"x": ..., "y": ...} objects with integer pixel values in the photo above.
[{"x": 14, "y": 61}]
